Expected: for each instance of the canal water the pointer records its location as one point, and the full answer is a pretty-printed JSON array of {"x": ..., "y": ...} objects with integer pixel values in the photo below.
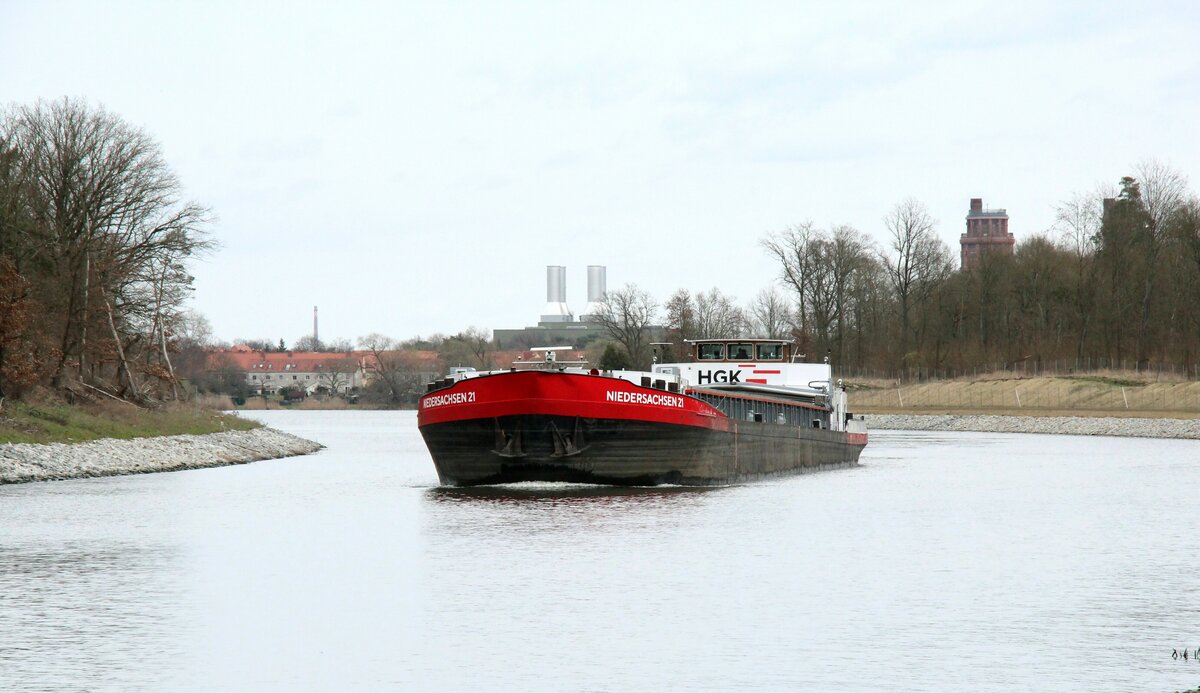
[{"x": 945, "y": 562}]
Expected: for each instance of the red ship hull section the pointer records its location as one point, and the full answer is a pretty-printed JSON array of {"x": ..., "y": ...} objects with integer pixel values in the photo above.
[
  {"x": 564, "y": 394},
  {"x": 547, "y": 426}
]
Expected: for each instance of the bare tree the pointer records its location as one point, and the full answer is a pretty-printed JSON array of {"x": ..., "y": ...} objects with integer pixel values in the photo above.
[
  {"x": 382, "y": 364},
  {"x": 479, "y": 341},
  {"x": 191, "y": 339},
  {"x": 626, "y": 314},
  {"x": 257, "y": 344},
  {"x": 680, "y": 318},
  {"x": 793, "y": 249},
  {"x": 472, "y": 347},
  {"x": 400, "y": 371},
  {"x": 336, "y": 375},
  {"x": 919, "y": 260},
  {"x": 770, "y": 314},
  {"x": 822, "y": 268},
  {"x": 1077, "y": 221},
  {"x": 870, "y": 308},
  {"x": 194, "y": 328},
  {"x": 680, "y": 312},
  {"x": 848, "y": 252},
  {"x": 717, "y": 315},
  {"x": 1164, "y": 192}
]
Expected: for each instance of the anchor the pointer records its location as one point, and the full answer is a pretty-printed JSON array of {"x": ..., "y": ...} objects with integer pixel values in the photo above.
[
  {"x": 567, "y": 445},
  {"x": 508, "y": 445}
]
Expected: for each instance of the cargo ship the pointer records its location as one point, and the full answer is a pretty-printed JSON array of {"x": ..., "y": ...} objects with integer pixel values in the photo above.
[{"x": 741, "y": 409}]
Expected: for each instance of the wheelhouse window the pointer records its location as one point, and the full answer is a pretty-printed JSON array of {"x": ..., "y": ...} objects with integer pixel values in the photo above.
[
  {"x": 741, "y": 352},
  {"x": 770, "y": 352},
  {"x": 712, "y": 352}
]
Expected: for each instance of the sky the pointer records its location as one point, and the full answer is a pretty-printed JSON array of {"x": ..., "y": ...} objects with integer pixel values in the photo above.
[{"x": 412, "y": 168}]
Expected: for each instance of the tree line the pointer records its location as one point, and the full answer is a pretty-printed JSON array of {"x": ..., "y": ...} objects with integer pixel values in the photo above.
[{"x": 1117, "y": 279}]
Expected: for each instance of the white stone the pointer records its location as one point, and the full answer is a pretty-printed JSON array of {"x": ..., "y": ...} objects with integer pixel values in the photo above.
[
  {"x": 1065, "y": 425},
  {"x": 22, "y": 462}
]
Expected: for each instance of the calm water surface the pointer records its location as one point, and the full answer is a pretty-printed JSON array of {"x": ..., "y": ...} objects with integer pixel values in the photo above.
[{"x": 945, "y": 562}]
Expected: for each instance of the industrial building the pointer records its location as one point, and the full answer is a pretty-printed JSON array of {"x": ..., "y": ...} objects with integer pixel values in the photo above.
[{"x": 558, "y": 325}]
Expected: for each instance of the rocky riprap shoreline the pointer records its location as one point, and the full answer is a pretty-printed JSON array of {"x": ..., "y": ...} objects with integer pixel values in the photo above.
[
  {"x": 22, "y": 462},
  {"x": 1064, "y": 425}
]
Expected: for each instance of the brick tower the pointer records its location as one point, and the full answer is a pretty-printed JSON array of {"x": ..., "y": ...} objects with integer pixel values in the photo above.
[{"x": 987, "y": 231}]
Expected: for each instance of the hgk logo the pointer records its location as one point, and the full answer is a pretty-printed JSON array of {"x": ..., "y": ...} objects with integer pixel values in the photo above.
[{"x": 709, "y": 377}]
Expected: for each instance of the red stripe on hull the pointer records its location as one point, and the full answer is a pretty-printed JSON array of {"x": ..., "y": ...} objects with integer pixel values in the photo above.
[{"x": 564, "y": 394}]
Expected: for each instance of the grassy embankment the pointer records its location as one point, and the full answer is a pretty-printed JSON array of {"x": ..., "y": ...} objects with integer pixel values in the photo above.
[
  {"x": 56, "y": 422},
  {"x": 1107, "y": 393}
]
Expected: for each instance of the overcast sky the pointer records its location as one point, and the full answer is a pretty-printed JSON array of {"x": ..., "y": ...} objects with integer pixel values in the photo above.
[{"x": 412, "y": 168}]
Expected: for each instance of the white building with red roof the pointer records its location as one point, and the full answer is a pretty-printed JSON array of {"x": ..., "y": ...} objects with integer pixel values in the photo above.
[{"x": 270, "y": 371}]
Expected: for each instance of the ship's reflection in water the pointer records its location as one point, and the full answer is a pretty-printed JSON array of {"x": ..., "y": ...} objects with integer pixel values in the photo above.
[
  {"x": 493, "y": 513},
  {"x": 567, "y": 494}
]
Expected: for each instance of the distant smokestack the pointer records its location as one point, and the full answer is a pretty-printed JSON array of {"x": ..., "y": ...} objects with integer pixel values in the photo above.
[
  {"x": 556, "y": 295},
  {"x": 596, "y": 290},
  {"x": 316, "y": 338}
]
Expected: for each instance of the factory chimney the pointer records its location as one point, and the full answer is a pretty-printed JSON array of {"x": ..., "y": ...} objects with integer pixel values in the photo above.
[
  {"x": 316, "y": 340},
  {"x": 556, "y": 295}
]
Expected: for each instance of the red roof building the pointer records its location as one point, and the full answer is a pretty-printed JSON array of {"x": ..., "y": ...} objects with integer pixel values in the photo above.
[{"x": 269, "y": 371}]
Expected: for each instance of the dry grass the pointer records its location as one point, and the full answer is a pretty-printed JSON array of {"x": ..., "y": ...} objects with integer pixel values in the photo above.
[
  {"x": 213, "y": 402},
  {"x": 1093, "y": 394},
  {"x": 44, "y": 419}
]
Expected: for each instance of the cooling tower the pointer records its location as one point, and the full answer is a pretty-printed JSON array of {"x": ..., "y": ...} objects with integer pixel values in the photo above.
[
  {"x": 595, "y": 291},
  {"x": 556, "y": 295}
]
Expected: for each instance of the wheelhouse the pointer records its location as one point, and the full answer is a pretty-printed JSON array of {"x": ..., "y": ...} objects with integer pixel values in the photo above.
[{"x": 742, "y": 350}]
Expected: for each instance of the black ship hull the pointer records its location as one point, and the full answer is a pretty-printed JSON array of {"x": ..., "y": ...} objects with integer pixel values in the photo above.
[{"x": 625, "y": 452}]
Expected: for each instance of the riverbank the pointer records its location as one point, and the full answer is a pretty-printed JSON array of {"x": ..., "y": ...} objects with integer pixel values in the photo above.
[
  {"x": 25, "y": 462},
  {"x": 1104, "y": 393},
  {"x": 47, "y": 419},
  {"x": 1140, "y": 427}
]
